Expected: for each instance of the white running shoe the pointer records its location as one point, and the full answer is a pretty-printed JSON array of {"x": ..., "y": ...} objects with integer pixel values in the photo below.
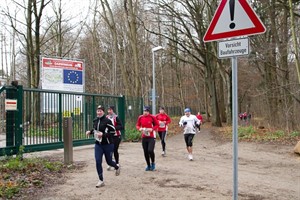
[
  {"x": 100, "y": 184},
  {"x": 163, "y": 153},
  {"x": 118, "y": 171},
  {"x": 190, "y": 157},
  {"x": 109, "y": 168}
]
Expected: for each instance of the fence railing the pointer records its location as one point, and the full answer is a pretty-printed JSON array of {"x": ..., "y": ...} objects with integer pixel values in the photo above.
[{"x": 37, "y": 123}]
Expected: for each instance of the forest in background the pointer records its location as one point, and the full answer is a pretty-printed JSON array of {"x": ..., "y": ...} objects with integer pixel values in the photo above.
[{"x": 115, "y": 39}]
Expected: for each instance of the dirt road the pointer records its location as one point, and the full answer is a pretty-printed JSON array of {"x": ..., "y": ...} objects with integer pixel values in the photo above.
[{"x": 265, "y": 172}]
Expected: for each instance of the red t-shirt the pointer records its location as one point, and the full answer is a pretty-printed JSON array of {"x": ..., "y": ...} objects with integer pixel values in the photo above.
[
  {"x": 200, "y": 118},
  {"x": 147, "y": 121},
  {"x": 163, "y": 120}
]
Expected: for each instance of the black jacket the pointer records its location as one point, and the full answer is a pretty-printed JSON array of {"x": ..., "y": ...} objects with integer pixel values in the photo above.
[{"x": 104, "y": 125}]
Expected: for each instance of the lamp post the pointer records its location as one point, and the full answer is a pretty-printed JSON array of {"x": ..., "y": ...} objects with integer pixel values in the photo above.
[{"x": 153, "y": 78}]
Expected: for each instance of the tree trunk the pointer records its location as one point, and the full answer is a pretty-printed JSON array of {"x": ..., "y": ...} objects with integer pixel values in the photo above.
[{"x": 131, "y": 9}]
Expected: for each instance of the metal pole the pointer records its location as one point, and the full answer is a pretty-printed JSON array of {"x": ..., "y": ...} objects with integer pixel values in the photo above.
[
  {"x": 68, "y": 140},
  {"x": 153, "y": 84},
  {"x": 235, "y": 126}
]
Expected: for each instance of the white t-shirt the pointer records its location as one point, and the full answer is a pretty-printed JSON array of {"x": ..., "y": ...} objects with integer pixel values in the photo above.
[{"x": 190, "y": 126}]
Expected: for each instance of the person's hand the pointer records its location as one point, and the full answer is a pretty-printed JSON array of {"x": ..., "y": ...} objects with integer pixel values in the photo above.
[
  {"x": 141, "y": 129},
  {"x": 88, "y": 133},
  {"x": 99, "y": 134}
]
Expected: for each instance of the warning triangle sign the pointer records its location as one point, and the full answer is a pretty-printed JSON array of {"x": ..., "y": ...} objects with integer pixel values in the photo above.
[{"x": 233, "y": 18}]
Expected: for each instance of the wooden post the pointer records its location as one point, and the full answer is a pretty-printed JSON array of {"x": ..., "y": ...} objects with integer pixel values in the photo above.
[{"x": 68, "y": 140}]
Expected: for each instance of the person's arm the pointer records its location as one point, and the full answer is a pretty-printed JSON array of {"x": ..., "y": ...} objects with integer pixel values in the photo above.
[
  {"x": 168, "y": 121},
  {"x": 156, "y": 123},
  {"x": 181, "y": 122},
  {"x": 90, "y": 132},
  {"x": 119, "y": 125},
  {"x": 197, "y": 121},
  {"x": 110, "y": 128},
  {"x": 138, "y": 124}
]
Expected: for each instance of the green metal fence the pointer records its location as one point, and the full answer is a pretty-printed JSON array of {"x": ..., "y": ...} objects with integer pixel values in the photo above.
[{"x": 37, "y": 122}]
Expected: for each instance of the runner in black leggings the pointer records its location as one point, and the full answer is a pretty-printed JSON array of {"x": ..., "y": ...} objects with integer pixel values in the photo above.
[
  {"x": 147, "y": 123},
  {"x": 148, "y": 147},
  {"x": 163, "y": 120},
  {"x": 117, "y": 136}
]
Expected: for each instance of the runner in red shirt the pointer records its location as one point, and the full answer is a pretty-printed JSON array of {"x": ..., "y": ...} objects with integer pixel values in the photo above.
[
  {"x": 147, "y": 124},
  {"x": 199, "y": 116},
  {"x": 163, "y": 120}
]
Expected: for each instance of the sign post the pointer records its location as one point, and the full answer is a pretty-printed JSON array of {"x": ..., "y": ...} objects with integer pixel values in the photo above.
[
  {"x": 234, "y": 18},
  {"x": 235, "y": 125}
]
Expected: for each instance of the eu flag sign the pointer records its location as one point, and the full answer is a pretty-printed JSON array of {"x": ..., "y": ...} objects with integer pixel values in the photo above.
[{"x": 72, "y": 77}]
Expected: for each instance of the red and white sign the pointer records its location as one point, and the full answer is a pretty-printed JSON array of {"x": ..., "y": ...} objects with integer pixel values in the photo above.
[
  {"x": 10, "y": 104},
  {"x": 60, "y": 63},
  {"x": 62, "y": 74},
  {"x": 233, "y": 18}
]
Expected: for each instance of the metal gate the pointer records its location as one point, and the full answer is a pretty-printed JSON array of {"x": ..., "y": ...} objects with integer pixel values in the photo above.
[{"x": 36, "y": 122}]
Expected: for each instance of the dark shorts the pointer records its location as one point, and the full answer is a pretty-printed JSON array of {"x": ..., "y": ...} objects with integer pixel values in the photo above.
[{"x": 188, "y": 138}]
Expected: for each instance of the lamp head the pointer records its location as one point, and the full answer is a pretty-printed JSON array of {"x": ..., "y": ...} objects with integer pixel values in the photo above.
[{"x": 157, "y": 48}]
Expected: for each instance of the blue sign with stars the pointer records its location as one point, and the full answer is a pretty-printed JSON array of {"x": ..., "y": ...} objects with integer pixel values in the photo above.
[{"x": 72, "y": 77}]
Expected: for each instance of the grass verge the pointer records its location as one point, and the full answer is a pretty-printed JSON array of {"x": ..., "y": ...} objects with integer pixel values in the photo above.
[
  {"x": 20, "y": 178},
  {"x": 255, "y": 134}
]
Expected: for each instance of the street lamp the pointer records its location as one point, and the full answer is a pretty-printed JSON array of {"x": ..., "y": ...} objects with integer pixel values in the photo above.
[{"x": 153, "y": 78}]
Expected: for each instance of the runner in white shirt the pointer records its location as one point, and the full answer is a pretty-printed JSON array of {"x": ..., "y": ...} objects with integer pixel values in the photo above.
[{"x": 189, "y": 123}]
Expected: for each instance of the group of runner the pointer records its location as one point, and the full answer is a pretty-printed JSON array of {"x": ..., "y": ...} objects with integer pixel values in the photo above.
[{"x": 107, "y": 133}]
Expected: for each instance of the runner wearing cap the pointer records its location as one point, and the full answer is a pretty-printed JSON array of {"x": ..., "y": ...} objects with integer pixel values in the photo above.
[
  {"x": 163, "y": 120},
  {"x": 103, "y": 131},
  {"x": 189, "y": 123},
  {"x": 147, "y": 124},
  {"x": 117, "y": 137}
]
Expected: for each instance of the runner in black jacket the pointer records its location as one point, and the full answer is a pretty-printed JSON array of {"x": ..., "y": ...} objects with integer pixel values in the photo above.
[{"x": 103, "y": 131}]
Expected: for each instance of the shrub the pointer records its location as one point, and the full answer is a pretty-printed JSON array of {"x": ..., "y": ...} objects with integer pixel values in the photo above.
[
  {"x": 132, "y": 134},
  {"x": 246, "y": 132},
  {"x": 295, "y": 134}
]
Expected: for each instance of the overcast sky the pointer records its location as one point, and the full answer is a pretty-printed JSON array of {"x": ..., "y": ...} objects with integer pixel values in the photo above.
[{"x": 73, "y": 10}]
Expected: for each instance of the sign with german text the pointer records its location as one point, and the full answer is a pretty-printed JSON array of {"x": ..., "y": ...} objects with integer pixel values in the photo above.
[
  {"x": 235, "y": 47},
  {"x": 62, "y": 74}
]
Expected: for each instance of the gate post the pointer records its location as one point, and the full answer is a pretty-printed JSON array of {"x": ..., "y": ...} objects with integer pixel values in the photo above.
[
  {"x": 19, "y": 119},
  {"x": 121, "y": 113},
  {"x": 10, "y": 117},
  {"x": 68, "y": 141}
]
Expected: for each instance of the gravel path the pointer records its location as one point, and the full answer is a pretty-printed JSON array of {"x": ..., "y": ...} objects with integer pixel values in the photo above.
[{"x": 265, "y": 172}]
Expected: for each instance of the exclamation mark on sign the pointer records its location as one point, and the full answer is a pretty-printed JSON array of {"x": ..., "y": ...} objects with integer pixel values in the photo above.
[{"x": 231, "y": 9}]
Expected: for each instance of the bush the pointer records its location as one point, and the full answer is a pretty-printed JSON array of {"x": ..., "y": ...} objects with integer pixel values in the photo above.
[
  {"x": 132, "y": 135},
  {"x": 295, "y": 134},
  {"x": 246, "y": 132}
]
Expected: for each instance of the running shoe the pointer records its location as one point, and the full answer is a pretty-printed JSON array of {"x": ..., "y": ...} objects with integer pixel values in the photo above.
[
  {"x": 100, "y": 184},
  {"x": 118, "y": 171},
  {"x": 190, "y": 157},
  {"x": 148, "y": 168},
  {"x": 152, "y": 167},
  {"x": 163, "y": 153},
  {"x": 109, "y": 168}
]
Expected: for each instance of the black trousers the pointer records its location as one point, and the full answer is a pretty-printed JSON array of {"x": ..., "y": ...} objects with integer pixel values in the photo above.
[
  {"x": 162, "y": 136},
  {"x": 116, "y": 141},
  {"x": 148, "y": 147}
]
